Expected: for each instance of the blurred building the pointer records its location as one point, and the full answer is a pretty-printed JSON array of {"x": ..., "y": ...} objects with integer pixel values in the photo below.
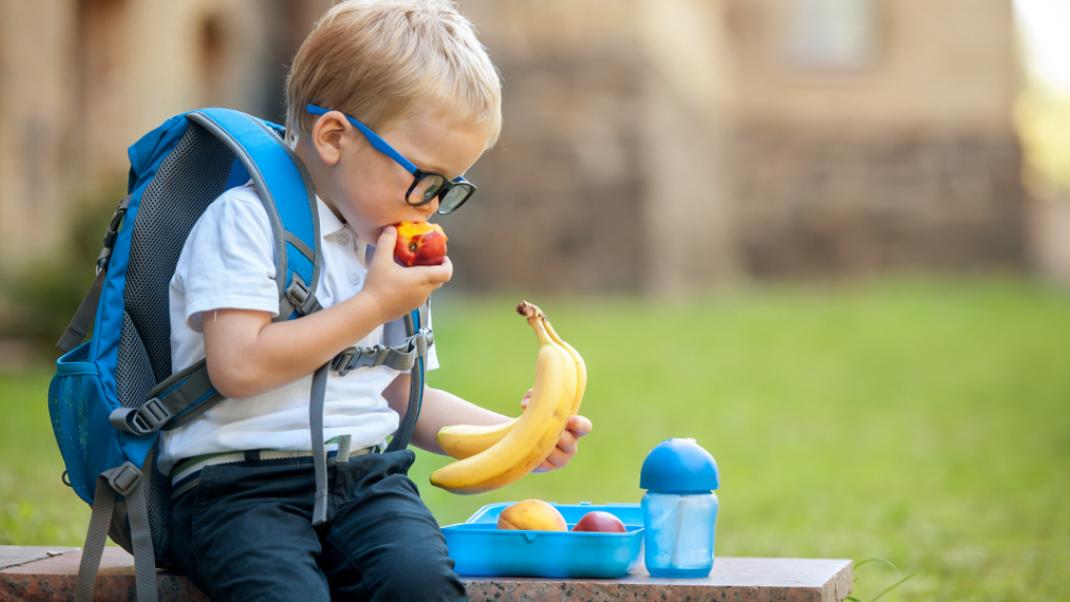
[
  {"x": 666, "y": 144},
  {"x": 80, "y": 80},
  {"x": 649, "y": 145}
]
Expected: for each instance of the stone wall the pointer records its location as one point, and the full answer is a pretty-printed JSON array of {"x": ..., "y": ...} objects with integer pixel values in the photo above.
[
  {"x": 559, "y": 207},
  {"x": 814, "y": 202}
]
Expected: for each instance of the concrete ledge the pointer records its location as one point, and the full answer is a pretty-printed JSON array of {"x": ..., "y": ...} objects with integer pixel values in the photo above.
[{"x": 49, "y": 574}]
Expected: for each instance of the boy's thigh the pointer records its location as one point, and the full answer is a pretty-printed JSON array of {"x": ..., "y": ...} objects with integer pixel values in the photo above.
[
  {"x": 240, "y": 540},
  {"x": 383, "y": 541}
]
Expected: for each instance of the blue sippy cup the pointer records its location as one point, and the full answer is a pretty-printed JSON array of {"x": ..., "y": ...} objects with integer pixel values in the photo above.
[{"x": 679, "y": 509}]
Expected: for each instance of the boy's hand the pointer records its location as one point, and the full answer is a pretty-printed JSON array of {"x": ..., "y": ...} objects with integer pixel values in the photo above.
[
  {"x": 398, "y": 290},
  {"x": 577, "y": 426}
]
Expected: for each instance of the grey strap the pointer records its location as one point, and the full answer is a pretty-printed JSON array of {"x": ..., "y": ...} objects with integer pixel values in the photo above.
[
  {"x": 415, "y": 347},
  {"x": 402, "y": 357},
  {"x": 175, "y": 401},
  {"x": 416, "y": 390},
  {"x": 103, "y": 506},
  {"x": 78, "y": 329},
  {"x": 124, "y": 480},
  {"x": 319, "y": 453},
  {"x": 141, "y": 536}
]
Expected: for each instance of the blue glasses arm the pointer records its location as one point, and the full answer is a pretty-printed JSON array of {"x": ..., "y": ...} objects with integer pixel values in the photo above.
[
  {"x": 377, "y": 143},
  {"x": 380, "y": 145}
]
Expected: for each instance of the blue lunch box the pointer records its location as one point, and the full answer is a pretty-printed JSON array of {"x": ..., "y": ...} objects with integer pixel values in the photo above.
[{"x": 480, "y": 549}]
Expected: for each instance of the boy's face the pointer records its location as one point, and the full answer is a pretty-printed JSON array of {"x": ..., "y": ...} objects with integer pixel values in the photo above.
[{"x": 367, "y": 188}]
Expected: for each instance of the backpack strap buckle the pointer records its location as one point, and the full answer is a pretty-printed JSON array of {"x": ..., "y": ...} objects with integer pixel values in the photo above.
[
  {"x": 123, "y": 478},
  {"x": 143, "y": 420},
  {"x": 301, "y": 297},
  {"x": 402, "y": 357},
  {"x": 111, "y": 234},
  {"x": 420, "y": 341},
  {"x": 342, "y": 363},
  {"x": 359, "y": 357},
  {"x": 152, "y": 414}
]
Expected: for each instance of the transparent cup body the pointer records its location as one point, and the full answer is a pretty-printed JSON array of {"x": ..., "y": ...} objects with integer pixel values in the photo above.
[{"x": 679, "y": 533}]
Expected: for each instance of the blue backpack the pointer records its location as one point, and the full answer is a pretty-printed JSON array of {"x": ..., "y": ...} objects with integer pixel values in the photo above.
[{"x": 114, "y": 390}]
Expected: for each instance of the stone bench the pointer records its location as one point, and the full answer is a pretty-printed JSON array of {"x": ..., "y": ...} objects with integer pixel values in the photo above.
[{"x": 41, "y": 573}]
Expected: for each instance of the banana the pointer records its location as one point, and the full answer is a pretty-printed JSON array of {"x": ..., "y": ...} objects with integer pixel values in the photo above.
[
  {"x": 581, "y": 366},
  {"x": 464, "y": 440},
  {"x": 534, "y": 434}
]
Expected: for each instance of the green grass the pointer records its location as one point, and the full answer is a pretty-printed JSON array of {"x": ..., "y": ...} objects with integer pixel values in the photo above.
[{"x": 920, "y": 421}]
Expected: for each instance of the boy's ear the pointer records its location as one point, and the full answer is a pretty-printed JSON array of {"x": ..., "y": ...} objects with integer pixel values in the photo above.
[{"x": 327, "y": 134}]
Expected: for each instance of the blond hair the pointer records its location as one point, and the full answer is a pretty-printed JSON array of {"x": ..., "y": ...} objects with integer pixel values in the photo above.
[{"x": 380, "y": 60}]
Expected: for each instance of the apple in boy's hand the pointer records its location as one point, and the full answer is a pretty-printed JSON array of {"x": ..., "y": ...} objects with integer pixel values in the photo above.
[
  {"x": 420, "y": 243},
  {"x": 600, "y": 521}
]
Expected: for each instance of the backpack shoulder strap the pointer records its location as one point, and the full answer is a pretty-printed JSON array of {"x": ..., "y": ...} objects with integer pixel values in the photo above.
[
  {"x": 287, "y": 193},
  {"x": 416, "y": 324},
  {"x": 288, "y": 197}
]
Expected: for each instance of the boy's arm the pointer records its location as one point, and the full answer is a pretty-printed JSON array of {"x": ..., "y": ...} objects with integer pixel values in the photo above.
[
  {"x": 442, "y": 408},
  {"x": 248, "y": 354}
]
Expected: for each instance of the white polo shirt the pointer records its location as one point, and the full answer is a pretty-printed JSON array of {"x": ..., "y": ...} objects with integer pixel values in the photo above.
[{"x": 227, "y": 262}]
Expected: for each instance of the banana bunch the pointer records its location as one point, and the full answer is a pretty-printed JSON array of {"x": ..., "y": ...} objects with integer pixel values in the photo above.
[{"x": 493, "y": 456}]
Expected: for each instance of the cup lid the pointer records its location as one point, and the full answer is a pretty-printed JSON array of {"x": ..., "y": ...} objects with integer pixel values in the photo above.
[{"x": 679, "y": 466}]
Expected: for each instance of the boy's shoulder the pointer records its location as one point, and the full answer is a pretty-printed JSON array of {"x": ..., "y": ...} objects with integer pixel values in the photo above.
[
  {"x": 238, "y": 204},
  {"x": 245, "y": 194},
  {"x": 236, "y": 218},
  {"x": 232, "y": 237}
]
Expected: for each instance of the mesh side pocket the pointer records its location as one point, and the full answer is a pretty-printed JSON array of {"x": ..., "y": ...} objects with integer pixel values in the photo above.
[{"x": 79, "y": 412}]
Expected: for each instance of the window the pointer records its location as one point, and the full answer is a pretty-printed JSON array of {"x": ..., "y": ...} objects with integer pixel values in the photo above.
[{"x": 832, "y": 34}]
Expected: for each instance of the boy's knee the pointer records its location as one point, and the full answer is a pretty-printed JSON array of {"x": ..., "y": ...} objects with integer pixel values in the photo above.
[{"x": 421, "y": 577}]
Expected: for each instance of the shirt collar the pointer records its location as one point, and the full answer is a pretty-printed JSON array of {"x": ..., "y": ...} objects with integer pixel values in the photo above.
[
  {"x": 330, "y": 225},
  {"x": 335, "y": 231}
]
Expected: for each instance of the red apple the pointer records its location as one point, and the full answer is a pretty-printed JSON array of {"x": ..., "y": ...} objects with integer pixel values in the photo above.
[
  {"x": 420, "y": 243},
  {"x": 600, "y": 521}
]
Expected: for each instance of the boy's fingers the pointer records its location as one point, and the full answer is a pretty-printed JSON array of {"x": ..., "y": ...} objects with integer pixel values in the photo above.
[
  {"x": 436, "y": 273},
  {"x": 579, "y": 425},
  {"x": 561, "y": 455},
  {"x": 389, "y": 234},
  {"x": 557, "y": 459},
  {"x": 385, "y": 245},
  {"x": 445, "y": 270},
  {"x": 568, "y": 442}
]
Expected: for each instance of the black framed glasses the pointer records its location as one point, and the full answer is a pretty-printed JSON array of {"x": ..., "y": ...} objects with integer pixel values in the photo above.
[{"x": 426, "y": 186}]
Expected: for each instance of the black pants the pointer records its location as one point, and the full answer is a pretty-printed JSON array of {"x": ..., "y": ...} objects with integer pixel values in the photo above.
[{"x": 245, "y": 533}]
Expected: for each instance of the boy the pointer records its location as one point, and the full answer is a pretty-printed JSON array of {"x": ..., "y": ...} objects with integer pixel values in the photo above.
[{"x": 414, "y": 74}]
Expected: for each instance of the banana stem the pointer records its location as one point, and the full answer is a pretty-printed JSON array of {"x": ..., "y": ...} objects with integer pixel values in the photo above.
[
  {"x": 529, "y": 310},
  {"x": 537, "y": 321}
]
